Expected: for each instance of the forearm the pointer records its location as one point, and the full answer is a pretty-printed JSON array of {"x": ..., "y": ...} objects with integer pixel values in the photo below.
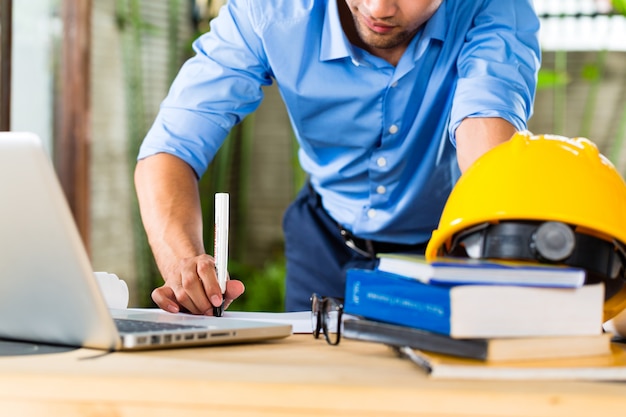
[
  {"x": 167, "y": 190},
  {"x": 475, "y": 136}
]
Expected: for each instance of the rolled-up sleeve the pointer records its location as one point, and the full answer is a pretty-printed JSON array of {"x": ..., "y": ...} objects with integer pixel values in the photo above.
[{"x": 498, "y": 64}]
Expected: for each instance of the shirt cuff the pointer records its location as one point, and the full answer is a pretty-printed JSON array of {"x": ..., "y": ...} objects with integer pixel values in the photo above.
[
  {"x": 497, "y": 99},
  {"x": 187, "y": 135}
]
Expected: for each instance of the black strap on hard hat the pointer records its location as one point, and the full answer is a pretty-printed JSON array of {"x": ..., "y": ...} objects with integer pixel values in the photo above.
[{"x": 546, "y": 242}]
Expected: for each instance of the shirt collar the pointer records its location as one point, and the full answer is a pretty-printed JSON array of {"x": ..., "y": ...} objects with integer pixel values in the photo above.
[
  {"x": 437, "y": 25},
  {"x": 435, "y": 28},
  {"x": 335, "y": 44}
]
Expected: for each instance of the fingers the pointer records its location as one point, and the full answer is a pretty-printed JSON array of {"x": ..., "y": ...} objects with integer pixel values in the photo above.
[
  {"x": 208, "y": 278},
  {"x": 194, "y": 288},
  {"x": 234, "y": 289},
  {"x": 164, "y": 298},
  {"x": 191, "y": 292}
]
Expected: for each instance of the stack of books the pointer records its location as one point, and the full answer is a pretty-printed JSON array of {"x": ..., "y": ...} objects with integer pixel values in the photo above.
[{"x": 487, "y": 311}]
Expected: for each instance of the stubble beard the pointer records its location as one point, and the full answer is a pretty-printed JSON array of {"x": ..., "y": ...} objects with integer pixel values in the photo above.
[{"x": 381, "y": 41}]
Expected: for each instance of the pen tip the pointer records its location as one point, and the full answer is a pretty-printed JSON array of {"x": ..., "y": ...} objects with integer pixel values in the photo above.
[{"x": 217, "y": 311}]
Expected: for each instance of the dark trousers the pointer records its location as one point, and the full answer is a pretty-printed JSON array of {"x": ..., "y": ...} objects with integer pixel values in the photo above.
[{"x": 317, "y": 255}]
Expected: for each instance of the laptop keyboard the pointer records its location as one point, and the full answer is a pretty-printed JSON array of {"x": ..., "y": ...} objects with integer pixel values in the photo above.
[{"x": 141, "y": 326}]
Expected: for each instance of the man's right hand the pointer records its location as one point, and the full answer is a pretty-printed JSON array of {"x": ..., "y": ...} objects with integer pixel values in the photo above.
[{"x": 191, "y": 286}]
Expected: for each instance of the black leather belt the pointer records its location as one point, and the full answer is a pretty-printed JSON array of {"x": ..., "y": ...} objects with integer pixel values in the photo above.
[
  {"x": 370, "y": 248},
  {"x": 365, "y": 247}
]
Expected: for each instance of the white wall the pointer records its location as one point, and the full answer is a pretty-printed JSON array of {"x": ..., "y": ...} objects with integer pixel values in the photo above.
[
  {"x": 583, "y": 33},
  {"x": 34, "y": 29}
]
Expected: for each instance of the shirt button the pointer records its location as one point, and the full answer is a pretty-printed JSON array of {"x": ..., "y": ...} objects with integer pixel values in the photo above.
[
  {"x": 394, "y": 84},
  {"x": 371, "y": 213},
  {"x": 381, "y": 189},
  {"x": 393, "y": 129},
  {"x": 381, "y": 162}
]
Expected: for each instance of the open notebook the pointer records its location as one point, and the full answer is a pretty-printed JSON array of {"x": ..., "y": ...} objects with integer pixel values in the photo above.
[{"x": 48, "y": 291}]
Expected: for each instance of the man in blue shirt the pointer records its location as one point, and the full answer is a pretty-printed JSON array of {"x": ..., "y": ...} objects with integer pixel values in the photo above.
[{"x": 389, "y": 100}]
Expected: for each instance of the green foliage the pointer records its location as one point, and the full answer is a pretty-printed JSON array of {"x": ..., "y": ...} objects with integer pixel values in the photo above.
[
  {"x": 619, "y": 6},
  {"x": 591, "y": 72},
  {"x": 265, "y": 287},
  {"x": 550, "y": 79}
]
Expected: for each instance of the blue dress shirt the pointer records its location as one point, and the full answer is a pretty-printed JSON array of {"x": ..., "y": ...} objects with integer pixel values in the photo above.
[{"x": 376, "y": 140}]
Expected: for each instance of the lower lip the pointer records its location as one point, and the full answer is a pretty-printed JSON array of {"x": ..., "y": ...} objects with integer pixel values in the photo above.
[{"x": 377, "y": 28}]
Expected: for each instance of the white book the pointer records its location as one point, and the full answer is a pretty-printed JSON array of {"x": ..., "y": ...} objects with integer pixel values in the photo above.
[
  {"x": 607, "y": 367},
  {"x": 453, "y": 271}
]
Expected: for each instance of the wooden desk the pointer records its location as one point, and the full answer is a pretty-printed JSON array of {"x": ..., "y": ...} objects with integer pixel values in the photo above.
[{"x": 290, "y": 377}]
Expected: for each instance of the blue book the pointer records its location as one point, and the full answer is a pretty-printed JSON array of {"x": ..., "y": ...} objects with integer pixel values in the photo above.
[
  {"x": 474, "y": 311},
  {"x": 449, "y": 270}
]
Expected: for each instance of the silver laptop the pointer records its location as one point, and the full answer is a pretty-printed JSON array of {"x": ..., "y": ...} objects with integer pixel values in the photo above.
[{"x": 48, "y": 291}]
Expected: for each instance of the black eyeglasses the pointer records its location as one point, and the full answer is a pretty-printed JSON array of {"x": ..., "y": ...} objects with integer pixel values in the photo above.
[{"x": 326, "y": 315}]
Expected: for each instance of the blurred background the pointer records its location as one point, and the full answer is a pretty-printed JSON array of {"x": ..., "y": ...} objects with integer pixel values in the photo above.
[{"x": 88, "y": 76}]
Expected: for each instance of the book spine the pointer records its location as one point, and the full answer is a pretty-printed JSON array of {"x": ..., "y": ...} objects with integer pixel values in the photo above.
[{"x": 395, "y": 299}]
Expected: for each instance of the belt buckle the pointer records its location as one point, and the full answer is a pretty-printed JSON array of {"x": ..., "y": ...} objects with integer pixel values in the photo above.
[{"x": 348, "y": 239}]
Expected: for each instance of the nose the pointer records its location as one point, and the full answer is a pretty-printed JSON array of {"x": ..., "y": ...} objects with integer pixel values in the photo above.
[{"x": 380, "y": 9}]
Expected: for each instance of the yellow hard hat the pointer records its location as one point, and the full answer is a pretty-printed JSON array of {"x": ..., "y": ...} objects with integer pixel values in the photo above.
[{"x": 541, "y": 198}]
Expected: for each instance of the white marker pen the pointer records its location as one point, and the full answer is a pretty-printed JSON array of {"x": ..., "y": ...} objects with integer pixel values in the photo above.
[{"x": 220, "y": 250}]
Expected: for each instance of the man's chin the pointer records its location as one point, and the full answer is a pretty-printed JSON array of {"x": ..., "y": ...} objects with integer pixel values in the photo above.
[{"x": 379, "y": 41}]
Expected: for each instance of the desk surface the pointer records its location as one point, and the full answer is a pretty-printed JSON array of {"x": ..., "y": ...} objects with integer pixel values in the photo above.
[{"x": 289, "y": 377}]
